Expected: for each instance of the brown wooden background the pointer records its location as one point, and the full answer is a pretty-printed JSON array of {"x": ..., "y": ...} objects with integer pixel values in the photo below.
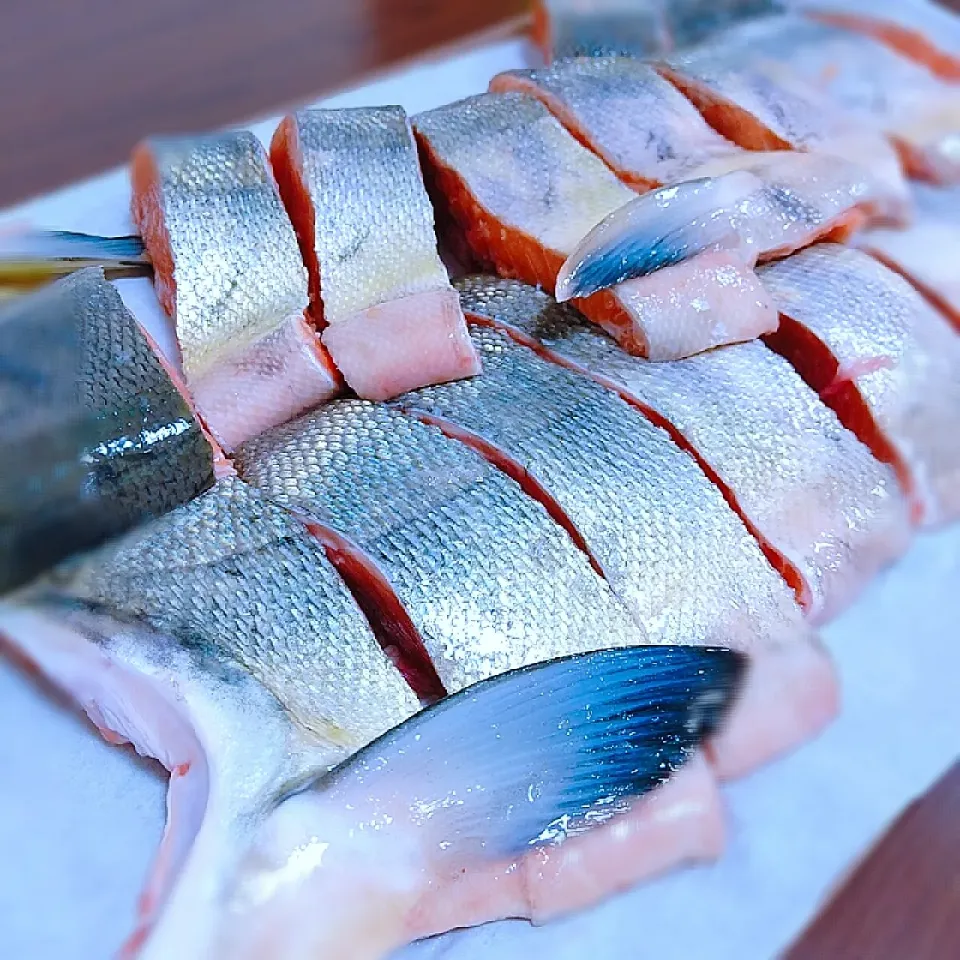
[{"x": 82, "y": 80}]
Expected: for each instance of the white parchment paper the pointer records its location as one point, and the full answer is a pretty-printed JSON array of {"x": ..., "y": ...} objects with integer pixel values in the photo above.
[{"x": 79, "y": 820}]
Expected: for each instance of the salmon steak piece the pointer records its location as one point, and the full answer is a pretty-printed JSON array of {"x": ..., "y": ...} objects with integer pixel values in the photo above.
[
  {"x": 761, "y": 105},
  {"x": 636, "y": 28},
  {"x": 883, "y": 358},
  {"x": 926, "y": 252},
  {"x": 95, "y": 433},
  {"x": 652, "y": 523},
  {"x": 626, "y": 113},
  {"x": 228, "y": 272},
  {"x": 825, "y": 512},
  {"x": 872, "y": 83},
  {"x": 524, "y": 195},
  {"x": 922, "y": 30},
  {"x": 378, "y": 289}
]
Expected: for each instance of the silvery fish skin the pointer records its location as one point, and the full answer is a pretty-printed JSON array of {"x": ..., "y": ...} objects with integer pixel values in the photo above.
[
  {"x": 373, "y": 234},
  {"x": 525, "y": 193},
  {"x": 95, "y": 436},
  {"x": 228, "y": 269},
  {"x": 807, "y": 487},
  {"x": 875, "y": 335},
  {"x": 352, "y": 184},
  {"x": 523, "y": 168},
  {"x": 761, "y": 104},
  {"x": 646, "y": 512},
  {"x": 573, "y": 28},
  {"x": 629, "y": 115},
  {"x": 489, "y": 581},
  {"x": 569, "y": 28},
  {"x": 925, "y": 253},
  {"x": 871, "y": 82},
  {"x": 240, "y": 578}
]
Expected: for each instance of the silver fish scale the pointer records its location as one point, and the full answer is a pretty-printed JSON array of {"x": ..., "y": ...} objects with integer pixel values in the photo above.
[
  {"x": 94, "y": 436},
  {"x": 635, "y": 118},
  {"x": 857, "y": 73},
  {"x": 234, "y": 576},
  {"x": 373, "y": 231},
  {"x": 523, "y": 167},
  {"x": 606, "y": 27},
  {"x": 811, "y": 489},
  {"x": 649, "y": 516},
  {"x": 488, "y": 579},
  {"x": 237, "y": 266},
  {"x": 903, "y": 355}
]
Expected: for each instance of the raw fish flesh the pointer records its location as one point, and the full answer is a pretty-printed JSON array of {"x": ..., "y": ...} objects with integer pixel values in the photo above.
[
  {"x": 826, "y": 513},
  {"x": 883, "y": 358},
  {"x": 524, "y": 194},
  {"x": 626, "y": 113},
  {"x": 95, "y": 435},
  {"x": 352, "y": 186},
  {"x": 258, "y": 819},
  {"x": 228, "y": 271},
  {"x": 871, "y": 82},
  {"x": 760, "y": 105}
]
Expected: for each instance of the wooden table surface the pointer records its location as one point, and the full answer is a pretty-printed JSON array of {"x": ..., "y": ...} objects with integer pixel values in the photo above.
[{"x": 82, "y": 82}]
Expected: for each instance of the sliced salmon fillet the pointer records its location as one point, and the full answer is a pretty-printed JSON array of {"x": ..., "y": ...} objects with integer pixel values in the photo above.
[
  {"x": 873, "y": 84},
  {"x": 573, "y": 28},
  {"x": 228, "y": 271},
  {"x": 761, "y": 105},
  {"x": 825, "y": 512},
  {"x": 926, "y": 252},
  {"x": 524, "y": 194},
  {"x": 352, "y": 185},
  {"x": 910, "y": 29},
  {"x": 626, "y": 113},
  {"x": 883, "y": 358},
  {"x": 653, "y": 524}
]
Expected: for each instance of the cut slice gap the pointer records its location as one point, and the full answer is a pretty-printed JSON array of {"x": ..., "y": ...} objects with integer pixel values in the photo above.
[
  {"x": 516, "y": 471},
  {"x": 782, "y": 564},
  {"x": 390, "y": 622},
  {"x": 286, "y": 159},
  {"x": 938, "y": 301},
  {"x": 815, "y": 363},
  {"x": 911, "y": 43}
]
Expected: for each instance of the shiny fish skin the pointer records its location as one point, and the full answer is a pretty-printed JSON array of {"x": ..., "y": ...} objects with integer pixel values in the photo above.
[
  {"x": 879, "y": 352},
  {"x": 763, "y": 105},
  {"x": 629, "y": 115},
  {"x": 811, "y": 491},
  {"x": 95, "y": 436},
  {"x": 228, "y": 270},
  {"x": 236, "y": 576},
  {"x": 568, "y": 28},
  {"x": 871, "y": 82},
  {"x": 926, "y": 252},
  {"x": 351, "y": 182},
  {"x": 523, "y": 168},
  {"x": 373, "y": 237},
  {"x": 646, "y": 512},
  {"x": 489, "y": 581},
  {"x": 525, "y": 193}
]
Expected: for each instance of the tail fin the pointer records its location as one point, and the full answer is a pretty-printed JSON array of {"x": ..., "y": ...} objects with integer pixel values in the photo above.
[{"x": 547, "y": 750}]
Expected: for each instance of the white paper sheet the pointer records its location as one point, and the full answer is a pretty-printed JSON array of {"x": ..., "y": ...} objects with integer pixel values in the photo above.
[{"x": 79, "y": 820}]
